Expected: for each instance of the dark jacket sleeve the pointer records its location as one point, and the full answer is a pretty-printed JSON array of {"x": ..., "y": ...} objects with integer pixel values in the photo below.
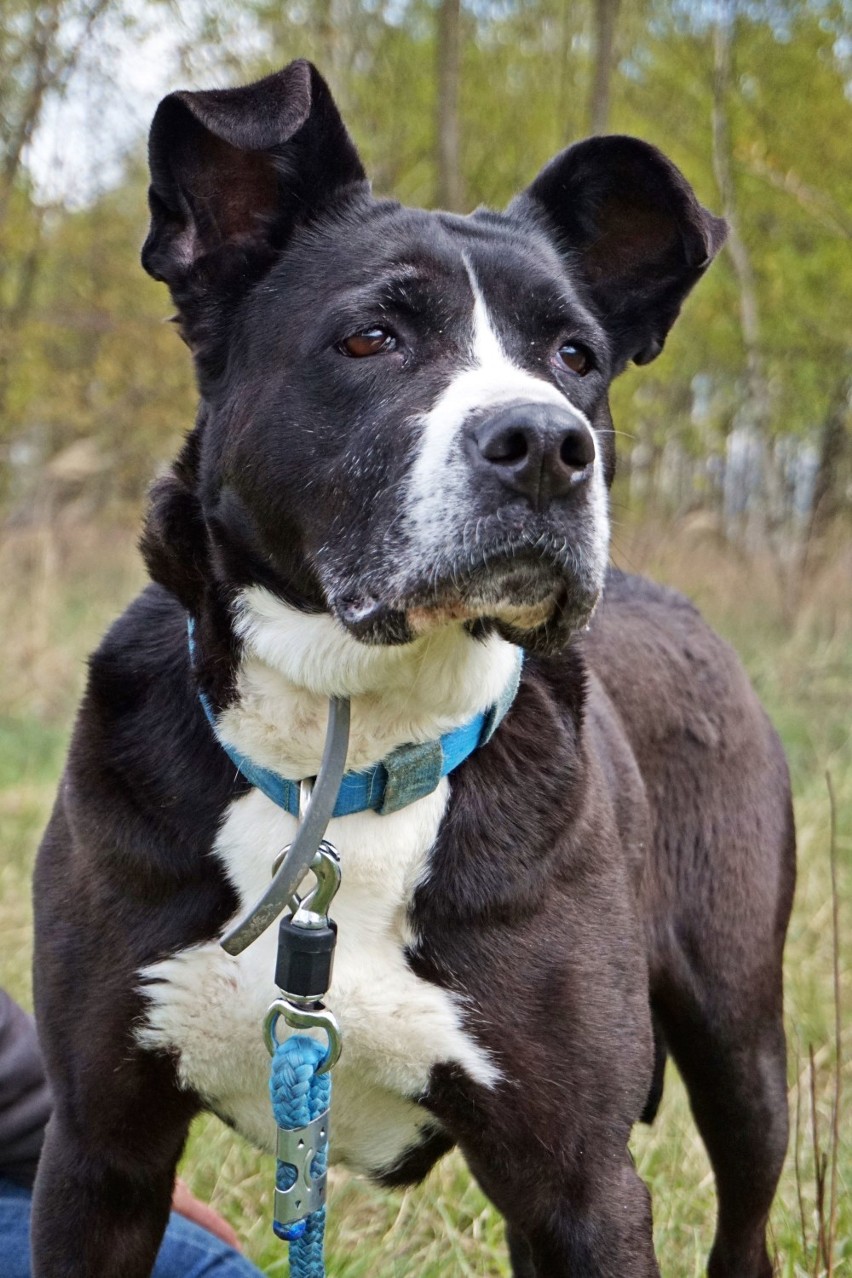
[{"x": 24, "y": 1096}]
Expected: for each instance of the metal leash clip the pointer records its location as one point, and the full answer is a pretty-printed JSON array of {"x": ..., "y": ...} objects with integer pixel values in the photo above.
[
  {"x": 306, "y": 941},
  {"x": 316, "y": 808}
]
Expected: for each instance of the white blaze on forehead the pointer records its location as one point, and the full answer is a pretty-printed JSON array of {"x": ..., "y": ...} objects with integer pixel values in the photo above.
[{"x": 487, "y": 379}]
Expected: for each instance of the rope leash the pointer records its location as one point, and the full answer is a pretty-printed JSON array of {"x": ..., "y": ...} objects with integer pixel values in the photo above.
[
  {"x": 299, "y": 1083},
  {"x": 300, "y": 1102}
]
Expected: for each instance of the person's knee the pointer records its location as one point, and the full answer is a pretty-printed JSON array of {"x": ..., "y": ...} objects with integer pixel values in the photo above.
[
  {"x": 15, "y": 1212},
  {"x": 189, "y": 1251}
]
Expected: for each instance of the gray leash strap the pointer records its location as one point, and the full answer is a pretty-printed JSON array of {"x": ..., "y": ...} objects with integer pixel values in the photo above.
[{"x": 312, "y": 827}]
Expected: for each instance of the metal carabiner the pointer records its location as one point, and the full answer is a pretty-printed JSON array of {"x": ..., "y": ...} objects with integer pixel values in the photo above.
[
  {"x": 304, "y": 1018},
  {"x": 308, "y": 912},
  {"x": 311, "y": 910}
]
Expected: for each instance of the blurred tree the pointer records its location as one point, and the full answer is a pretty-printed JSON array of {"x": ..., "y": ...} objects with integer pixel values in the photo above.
[
  {"x": 449, "y": 192},
  {"x": 40, "y": 45},
  {"x": 834, "y": 476},
  {"x": 95, "y": 361},
  {"x": 490, "y": 89},
  {"x": 606, "y": 17},
  {"x": 754, "y": 413},
  {"x": 792, "y": 195}
]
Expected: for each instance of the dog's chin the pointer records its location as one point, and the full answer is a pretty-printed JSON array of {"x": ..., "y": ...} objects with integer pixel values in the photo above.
[
  {"x": 531, "y": 605},
  {"x": 570, "y": 614}
]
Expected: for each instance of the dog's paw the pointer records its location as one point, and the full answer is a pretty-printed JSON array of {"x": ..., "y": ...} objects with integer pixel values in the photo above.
[{"x": 200, "y": 1006}]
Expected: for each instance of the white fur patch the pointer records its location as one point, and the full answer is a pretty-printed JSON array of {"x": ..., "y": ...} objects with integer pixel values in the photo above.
[
  {"x": 599, "y": 505},
  {"x": 439, "y": 482},
  {"x": 210, "y": 1006},
  {"x": 294, "y": 661}
]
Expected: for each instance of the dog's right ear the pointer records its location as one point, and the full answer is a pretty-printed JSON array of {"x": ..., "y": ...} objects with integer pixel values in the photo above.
[
  {"x": 633, "y": 233},
  {"x": 232, "y": 172}
]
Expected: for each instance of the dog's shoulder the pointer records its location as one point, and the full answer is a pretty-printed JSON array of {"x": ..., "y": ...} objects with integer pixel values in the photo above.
[
  {"x": 627, "y": 590},
  {"x": 143, "y": 760},
  {"x": 670, "y": 675},
  {"x": 140, "y": 703},
  {"x": 143, "y": 646}
]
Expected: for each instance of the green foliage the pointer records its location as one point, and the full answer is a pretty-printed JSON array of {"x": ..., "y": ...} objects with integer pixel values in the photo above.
[
  {"x": 85, "y": 356},
  {"x": 795, "y": 199},
  {"x": 99, "y": 362}
]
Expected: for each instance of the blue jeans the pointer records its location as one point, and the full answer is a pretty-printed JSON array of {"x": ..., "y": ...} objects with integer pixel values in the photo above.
[{"x": 187, "y": 1250}]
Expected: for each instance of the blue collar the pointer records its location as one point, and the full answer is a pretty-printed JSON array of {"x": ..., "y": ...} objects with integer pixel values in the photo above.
[{"x": 408, "y": 773}]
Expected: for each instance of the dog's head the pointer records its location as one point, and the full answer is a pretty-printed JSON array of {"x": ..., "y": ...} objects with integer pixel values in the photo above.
[{"x": 404, "y": 414}]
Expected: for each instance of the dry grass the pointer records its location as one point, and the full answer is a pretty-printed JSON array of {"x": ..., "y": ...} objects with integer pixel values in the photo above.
[{"x": 59, "y": 588}]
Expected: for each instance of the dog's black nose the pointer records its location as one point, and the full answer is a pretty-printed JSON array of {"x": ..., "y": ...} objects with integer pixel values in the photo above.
[{"x": 539, "y": 450}]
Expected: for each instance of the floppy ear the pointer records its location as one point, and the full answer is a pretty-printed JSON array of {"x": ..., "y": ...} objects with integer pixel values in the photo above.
[
  {"x": 633, "y": 232},
  {"x": 233, "y": 170}
]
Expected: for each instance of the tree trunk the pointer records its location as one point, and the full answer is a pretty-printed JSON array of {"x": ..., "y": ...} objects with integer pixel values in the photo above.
[
  {"x": 722, "y": 168},
  {"x": 835, "y": 454},
  {"x": 329, "y": 33},
  {"x": 449, "y": 192},
  {"x": 42, "y": 47},
  {"x": 755, "y": 411},
  {"x": 605, "y": 18}
]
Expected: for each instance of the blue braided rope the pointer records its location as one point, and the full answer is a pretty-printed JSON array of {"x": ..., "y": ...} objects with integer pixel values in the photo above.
[{"x": 299, "y": 1095}]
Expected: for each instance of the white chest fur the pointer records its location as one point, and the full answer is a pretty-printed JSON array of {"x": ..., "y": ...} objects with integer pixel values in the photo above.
[{"x": 209, "y": 1006}]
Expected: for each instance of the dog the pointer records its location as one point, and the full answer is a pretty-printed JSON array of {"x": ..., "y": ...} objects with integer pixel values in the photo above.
[{"x": 397, "y": 484}]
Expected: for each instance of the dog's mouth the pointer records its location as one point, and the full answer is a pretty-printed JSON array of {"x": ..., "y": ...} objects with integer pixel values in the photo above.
[{"x": 521, "y": 588}]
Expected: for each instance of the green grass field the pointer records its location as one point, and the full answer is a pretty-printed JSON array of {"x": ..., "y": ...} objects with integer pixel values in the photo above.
[{"x": 58, "y": 591}]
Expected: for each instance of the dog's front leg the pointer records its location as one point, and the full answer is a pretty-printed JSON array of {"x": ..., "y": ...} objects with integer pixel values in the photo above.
[
  {"x": 568, "y": 1031},
  {"x": 106, "y": 1173},
  {"x": 598, "y": 1229},
  {"x": 520, "y": 1255},
  {"x": 552, "y": 1156}
]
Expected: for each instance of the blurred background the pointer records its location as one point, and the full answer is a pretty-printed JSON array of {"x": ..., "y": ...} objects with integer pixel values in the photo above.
[{"x": 735, "y": 446}]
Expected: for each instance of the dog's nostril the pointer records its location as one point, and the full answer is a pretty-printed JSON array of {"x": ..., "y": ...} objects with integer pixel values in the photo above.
[
  {"x": 508, "y": 447},
  {"x": 577, "y": 449}
]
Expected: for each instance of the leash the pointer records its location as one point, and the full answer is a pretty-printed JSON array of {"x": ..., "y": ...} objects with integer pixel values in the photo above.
[
  {"x": 300, "y": 1081},
  {"x": 300, "y": 1101},
  {"x": 314, "y": 816}
]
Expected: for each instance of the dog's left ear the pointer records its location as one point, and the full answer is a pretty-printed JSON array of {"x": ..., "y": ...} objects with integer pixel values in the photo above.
[
  {"x": 633, "y": 233},
  {"x": 232, "y": 172}
]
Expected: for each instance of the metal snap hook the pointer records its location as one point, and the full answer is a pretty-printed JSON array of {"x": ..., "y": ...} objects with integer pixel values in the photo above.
[{"x": 312, "y": 908}]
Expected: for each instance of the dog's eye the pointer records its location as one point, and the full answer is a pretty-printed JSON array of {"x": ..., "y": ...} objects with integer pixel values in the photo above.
[
  {"x": 370, "y": 341},
  {"x": 576, "y": 357}
]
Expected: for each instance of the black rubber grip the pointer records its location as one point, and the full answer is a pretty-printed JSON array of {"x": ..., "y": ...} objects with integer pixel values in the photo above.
[{"x": 305, "y": 958}]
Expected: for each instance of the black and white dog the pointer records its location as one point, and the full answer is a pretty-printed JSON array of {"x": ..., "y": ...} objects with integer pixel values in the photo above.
[{"x": 397, "y": 479}]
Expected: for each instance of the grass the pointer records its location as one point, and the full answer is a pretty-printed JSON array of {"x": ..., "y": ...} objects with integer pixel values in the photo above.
[{"x": 60, "y": 587}]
